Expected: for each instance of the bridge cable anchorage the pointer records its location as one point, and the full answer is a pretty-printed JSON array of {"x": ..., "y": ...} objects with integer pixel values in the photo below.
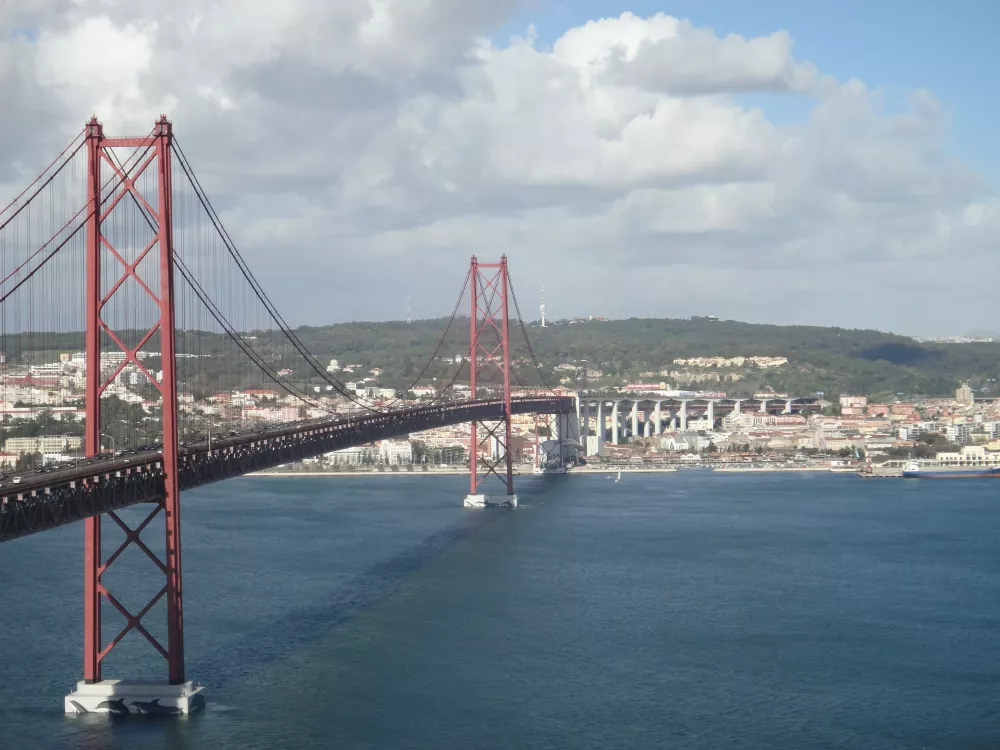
[{"x": 283, "y": 326}]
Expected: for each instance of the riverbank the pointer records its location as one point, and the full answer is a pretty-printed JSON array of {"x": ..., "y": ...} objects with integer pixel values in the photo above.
[
  {"x": 749, "y": 469},
  {"x": 577, "y": 470},
  {"x": 624, "y": 470},
  {"x": 453, "y": 472},
  {"x": 432, "y": 473}
]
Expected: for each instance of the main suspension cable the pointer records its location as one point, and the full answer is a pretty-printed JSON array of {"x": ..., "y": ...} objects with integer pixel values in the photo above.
[{"x": 283, "y": 326}]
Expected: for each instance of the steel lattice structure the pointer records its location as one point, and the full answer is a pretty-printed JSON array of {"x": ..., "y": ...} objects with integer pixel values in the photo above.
[
  {"x": 156, "y": 149},
  {"x": 126, "y": 228},
  {"x": 489, "y": 347}
]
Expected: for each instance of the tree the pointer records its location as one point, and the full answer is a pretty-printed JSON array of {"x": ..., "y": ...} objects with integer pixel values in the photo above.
[{"x": 419, "y": 451}]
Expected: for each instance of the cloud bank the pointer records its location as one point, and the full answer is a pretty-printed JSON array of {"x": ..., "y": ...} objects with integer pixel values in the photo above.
[{"x": 360, "y": 151}]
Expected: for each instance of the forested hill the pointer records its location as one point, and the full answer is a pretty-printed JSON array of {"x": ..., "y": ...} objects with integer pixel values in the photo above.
[{"x": 832, "y": 360}]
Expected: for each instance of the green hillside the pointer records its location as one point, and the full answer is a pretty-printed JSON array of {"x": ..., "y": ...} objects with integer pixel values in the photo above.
[
  {"x": 831, "y": 360},
  {"x": 828, "y": 360}
]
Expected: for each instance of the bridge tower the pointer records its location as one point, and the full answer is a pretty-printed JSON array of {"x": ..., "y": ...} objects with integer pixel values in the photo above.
[
  {"x": 490, "y": 445},
  {"x": 114, "y": 263}
]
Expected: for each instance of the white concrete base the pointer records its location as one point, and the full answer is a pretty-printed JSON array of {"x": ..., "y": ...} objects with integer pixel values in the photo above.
[
  {"x": 491, "y": 501},
  {"x": 122, "y": 697}
]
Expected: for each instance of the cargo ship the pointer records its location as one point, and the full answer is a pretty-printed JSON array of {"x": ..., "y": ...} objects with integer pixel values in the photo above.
[{"x": 914, "y": 470}]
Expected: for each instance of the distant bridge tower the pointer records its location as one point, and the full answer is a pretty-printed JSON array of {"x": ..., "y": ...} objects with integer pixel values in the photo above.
[
  {"x": 110, "y": 255},
  {"x": 541, "y": 307},
  {"x": 490, "y": 449}
]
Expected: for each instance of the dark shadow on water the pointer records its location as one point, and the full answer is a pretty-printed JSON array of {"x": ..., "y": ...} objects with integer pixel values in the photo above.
[{"x": 298, "y": 627}]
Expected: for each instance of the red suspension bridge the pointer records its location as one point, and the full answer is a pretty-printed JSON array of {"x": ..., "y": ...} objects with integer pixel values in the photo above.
[{"x": 126, "y": 315}]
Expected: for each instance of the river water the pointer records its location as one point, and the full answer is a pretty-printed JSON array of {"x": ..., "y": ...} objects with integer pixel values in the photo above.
[{"x": 686, "y": 610}]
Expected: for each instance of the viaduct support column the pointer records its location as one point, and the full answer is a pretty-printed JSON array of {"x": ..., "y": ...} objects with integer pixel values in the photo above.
[
  {"x": 615, "y": 422},
  {"x": 635, "y": 419},
  {"x": 711, "y": 414},
  {"x": 658, "y": 418},
  {"x": 684, "y": 415}
]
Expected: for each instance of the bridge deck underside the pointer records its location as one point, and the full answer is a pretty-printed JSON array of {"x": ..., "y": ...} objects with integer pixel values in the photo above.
[{"x": 71, "y": 495}]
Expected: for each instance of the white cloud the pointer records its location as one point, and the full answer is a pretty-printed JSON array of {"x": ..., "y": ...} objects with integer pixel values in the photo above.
[
  {"x": 666, "y": 54},
  {"x": 342, "y": 136}
]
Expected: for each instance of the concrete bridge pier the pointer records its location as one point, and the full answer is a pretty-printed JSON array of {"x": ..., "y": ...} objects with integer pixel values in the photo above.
[
  {"x": 658, "y": 418},
  {"x": 635, "y": 419},
  {"x": 788, "y": 407},
  {"x": 684, "y": 415},
  {"x": 567, "y": 434},
  {"x": 601, "y": 434},
  {"x": 615, "y": 423},
  {"x": 710, "y": 413}
]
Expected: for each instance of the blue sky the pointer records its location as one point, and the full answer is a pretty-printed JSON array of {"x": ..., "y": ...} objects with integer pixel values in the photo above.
[{"x": 898, "y": 46}]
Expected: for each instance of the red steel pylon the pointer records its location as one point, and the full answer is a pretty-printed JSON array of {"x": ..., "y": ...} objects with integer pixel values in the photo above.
[
  {"x": 489, "y": 347},
  {"x": 152, "y": 153}
]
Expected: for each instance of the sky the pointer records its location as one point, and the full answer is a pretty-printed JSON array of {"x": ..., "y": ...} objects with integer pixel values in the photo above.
[{"x": 776, "y": 161}]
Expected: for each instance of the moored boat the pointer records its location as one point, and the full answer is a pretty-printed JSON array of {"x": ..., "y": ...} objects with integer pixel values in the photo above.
[{"x": 914, "y": 470}]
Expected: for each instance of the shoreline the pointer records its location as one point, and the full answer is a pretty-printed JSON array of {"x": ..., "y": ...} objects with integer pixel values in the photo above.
[
  {"x": 439, "y": 473},
  {"x": 578, "y": 470},
  {"x": 746, "y": 469}
]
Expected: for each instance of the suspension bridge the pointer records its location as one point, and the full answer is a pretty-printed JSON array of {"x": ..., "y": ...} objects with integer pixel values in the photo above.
[{"x": 129, "y": 317}]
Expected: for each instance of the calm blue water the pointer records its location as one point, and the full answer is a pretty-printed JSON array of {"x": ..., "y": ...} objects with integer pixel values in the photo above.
[{"x": 679, "y": 610}]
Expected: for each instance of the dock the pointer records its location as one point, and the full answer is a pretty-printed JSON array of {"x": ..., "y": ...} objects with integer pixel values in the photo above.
[{"x": 883, "y": 472}]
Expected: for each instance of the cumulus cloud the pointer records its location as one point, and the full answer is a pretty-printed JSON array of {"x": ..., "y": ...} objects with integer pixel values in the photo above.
[
  {"x": 362, "y": 150},
  {"x": 670, "y": 55}
]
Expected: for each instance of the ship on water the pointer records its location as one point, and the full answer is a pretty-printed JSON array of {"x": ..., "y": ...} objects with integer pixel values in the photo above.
[{"x": 913, "y": 470}]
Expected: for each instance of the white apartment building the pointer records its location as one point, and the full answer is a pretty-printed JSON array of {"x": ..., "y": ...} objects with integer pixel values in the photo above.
[
  {"x": 396, "y": 452},
  {"x": 958, "y": 433},
  {"x": 355, "y": 456},
  {"x": 42, "y": 444}
]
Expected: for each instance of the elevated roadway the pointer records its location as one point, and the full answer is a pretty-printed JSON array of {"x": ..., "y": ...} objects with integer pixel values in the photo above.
[{"x": 34, "y": 502}]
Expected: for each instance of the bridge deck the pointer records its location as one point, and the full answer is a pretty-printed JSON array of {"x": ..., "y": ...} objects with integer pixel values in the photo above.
[{"x": 43, "y": 501}]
